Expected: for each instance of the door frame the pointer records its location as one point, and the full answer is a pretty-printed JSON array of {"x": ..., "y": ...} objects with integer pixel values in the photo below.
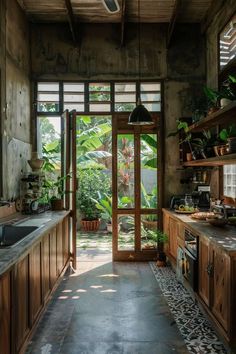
[{"x": 120, "y": 126}]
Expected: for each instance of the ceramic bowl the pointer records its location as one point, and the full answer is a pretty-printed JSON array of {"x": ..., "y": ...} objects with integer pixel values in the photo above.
[{"x": 217, "y": 221}]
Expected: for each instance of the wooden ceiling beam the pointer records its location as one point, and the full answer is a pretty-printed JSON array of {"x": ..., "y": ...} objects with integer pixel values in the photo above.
[
  {"x": 123, "y": 6},
  {"x": 171, "y": 27},
  {"x": 71, "y": 20}
]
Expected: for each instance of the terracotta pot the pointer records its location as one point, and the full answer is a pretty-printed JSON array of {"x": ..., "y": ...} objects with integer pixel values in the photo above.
[
  {"x": 90, "y": 225},
  {"x": 189, "y": 156},
  {"x": 150, "y": 225},
  {"x": 57, "y": 204}
]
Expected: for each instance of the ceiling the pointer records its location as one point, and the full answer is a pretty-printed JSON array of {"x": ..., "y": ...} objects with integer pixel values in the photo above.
[{"x": 151, "y": 11}]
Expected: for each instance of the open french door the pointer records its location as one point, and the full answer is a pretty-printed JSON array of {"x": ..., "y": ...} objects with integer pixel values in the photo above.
[
  {"x": 136, "y": 195},
  {"x": 68, "y": 123}
]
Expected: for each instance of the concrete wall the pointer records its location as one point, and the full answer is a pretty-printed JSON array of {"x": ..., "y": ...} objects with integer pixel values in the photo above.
[
  {"x": 182, "y": 68},
  {"x": 16, "y": 148}
]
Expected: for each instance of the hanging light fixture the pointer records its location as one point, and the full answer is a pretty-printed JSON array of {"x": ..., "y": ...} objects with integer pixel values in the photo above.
[{"x": 140, "y": 115}]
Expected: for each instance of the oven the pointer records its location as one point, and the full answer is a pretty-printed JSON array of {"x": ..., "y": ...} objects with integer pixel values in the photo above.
[{"x": 191, "y": 258}]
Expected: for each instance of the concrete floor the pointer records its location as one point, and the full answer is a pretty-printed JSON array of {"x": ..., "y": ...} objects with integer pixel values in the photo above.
[{"x": 107, "y": 308}]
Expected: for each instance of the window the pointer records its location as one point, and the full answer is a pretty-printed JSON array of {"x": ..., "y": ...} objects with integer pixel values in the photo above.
[
  {"x": 228, "y": 43},
  {"x": 229, "y": 172},
  {"x": 96, "y": 97},
  {"x": 48, "y": 97}
]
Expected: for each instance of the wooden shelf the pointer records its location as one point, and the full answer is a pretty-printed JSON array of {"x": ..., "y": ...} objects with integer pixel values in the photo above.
[
  {"x": 221, "y": 116},
  {"x": 213, "y": 161}
]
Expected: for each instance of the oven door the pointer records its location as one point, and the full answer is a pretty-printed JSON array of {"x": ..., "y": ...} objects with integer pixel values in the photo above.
[
  {"x": 180, "y": 264},
  {"x": 191, "y": 269}
]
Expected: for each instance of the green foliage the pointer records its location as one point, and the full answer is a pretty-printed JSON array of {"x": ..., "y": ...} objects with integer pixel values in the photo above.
[
  {"x": 157, "y": 236},
  {"x": 182, "y": 126},
  {"x": 149, "y": 148},
  {"x": 213, "y": 96},
  {"x": 91, "y": 184},
  {"x": 227, "y": 133}
]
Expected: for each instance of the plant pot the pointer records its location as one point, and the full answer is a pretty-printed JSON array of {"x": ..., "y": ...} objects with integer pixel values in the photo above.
[
  {"x": 189, "y": 156},
  {"x": 224, "y": 102},
  {"x": 224, "y": 149},
  {"x": 161, "y": 259},
  {"x": 90, "y": 225},
  {"x": 232, "y": 145},
  {"x": 212, "y": 110},
  {"x": 150, "y": 225},
  {"x": 57, "y": 204}
]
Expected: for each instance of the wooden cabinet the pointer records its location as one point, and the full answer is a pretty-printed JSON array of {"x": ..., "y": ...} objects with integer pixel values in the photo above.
[
  {"x": 205, "y": 269},
  {"x": 5, "y": 313},
  {"x": 214, "y": 281},
  {"x": 221, "y": 287},
  {"x": 59, "y": 248},
  {"x": 173, "y": 234},
  {"x": 21, "y": 301},
  {"x": 25, "y": 289},
  {"x": 53, "y": 257},
  {"x": 35, "y": 281},
  {"x": 66, "y": 240},
  {"x": 45, "y": 254},
  {"x": 171, "y": 228}
]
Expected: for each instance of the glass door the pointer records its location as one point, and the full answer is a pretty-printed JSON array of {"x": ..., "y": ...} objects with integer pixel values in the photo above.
[{"x": 135, "y": 192}]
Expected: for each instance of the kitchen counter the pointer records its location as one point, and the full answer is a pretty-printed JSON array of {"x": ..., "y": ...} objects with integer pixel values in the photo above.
[
  {"x": 9, "y": 256},
  {"x": 224, "y": 237}
]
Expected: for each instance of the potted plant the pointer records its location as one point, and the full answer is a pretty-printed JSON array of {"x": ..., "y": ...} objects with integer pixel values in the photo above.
[
  {"x": 213, "y": 98},
  {"x": 185, "y": 136},
  {"x": 229, "y": 135},
  {"x": 159, "y": 238},
  {"x": 56, "y": 192},
  {"x": 203, "y": 145},
  {"x": 91, "y": 183},
  {"x": 104, "y": 205}
]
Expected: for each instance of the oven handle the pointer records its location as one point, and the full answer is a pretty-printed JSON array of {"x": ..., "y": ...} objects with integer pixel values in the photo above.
[{"x": 190, "y": 254}]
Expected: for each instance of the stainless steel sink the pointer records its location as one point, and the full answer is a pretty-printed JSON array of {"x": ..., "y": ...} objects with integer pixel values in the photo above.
[{"x": 11, "y": 235}]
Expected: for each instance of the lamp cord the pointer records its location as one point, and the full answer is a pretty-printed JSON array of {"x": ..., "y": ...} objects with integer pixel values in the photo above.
[{"x": 139, "y": 49}]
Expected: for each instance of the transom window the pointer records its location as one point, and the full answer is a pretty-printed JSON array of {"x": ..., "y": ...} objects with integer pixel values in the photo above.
[
  {"x": 228, "y": 43},
  {"x": 90, "y": 97}
]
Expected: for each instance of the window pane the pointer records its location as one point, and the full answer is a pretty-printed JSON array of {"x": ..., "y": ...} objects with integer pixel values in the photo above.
[
  {"x": 48, "y": 97},
  {"x": 125, "y": 168},
  {"x": 48, "y": 86},
  {"x": 99, "y": 96},
  {"x": 228, "y": 43},
  {"x": 99, "y": 86},
  {"x": 124, "y": 107},
  {"x": 152, "y": 107},
  {"x": 149, "y": 226},
  {"x": 99, "y": 107},
  {"x": 150, "y": 97},
  {"x": 126, "y": 232},
  {"x": 73, "y": 87},
  {"x": 71, "y": 106},
  {"x": 48, "y": 107},
  {"x": 230, "y": 181},
  {"x": 73, "y": 97},
  {"x": 125, "y": 97},
  {"x": 125, "y": 87},
  {"x": 151, "y": 86}
]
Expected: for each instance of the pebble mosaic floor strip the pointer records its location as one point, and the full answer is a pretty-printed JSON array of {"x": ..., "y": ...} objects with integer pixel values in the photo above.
[{"x": 197, "y": 332}]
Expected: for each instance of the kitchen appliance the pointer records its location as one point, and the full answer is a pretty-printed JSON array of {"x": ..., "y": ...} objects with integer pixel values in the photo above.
[
  {"x": 191, "y": 258},
  {"x": 176, "y": 200},
  {"x": 180, "y": 264},
  {"x": 201, "y": 197},
  {"x": 226, "y": 210}
]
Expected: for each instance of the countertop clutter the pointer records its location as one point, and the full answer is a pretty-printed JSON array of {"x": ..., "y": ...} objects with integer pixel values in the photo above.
[
  {"x": 43, "y": 222},
  {"x": 224, "y": 237}
]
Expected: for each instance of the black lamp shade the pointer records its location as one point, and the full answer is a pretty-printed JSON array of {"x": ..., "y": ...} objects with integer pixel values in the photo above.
[{"x": 140, "y": 116}]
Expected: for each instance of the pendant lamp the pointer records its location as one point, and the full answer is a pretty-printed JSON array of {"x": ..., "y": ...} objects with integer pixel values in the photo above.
[{"x": 140, "y": 115}]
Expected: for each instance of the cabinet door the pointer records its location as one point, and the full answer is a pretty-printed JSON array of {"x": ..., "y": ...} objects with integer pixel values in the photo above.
[
  {"x": 21, "y": 298},
  {"x": 59, "y": 248},
  {"x": 173, "y": 234},
  {"x": 45, "y": 248},
  {"x": 5, "y": 314},
  {"x": 66, "y": 240},
  {"x": 35, "y": 282},
  {"x": 221, "y": 288},
  {"x": 204, "y": 271},
  {"x": 53, "y": 257},
  {"x": 166, "y": 219}
]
